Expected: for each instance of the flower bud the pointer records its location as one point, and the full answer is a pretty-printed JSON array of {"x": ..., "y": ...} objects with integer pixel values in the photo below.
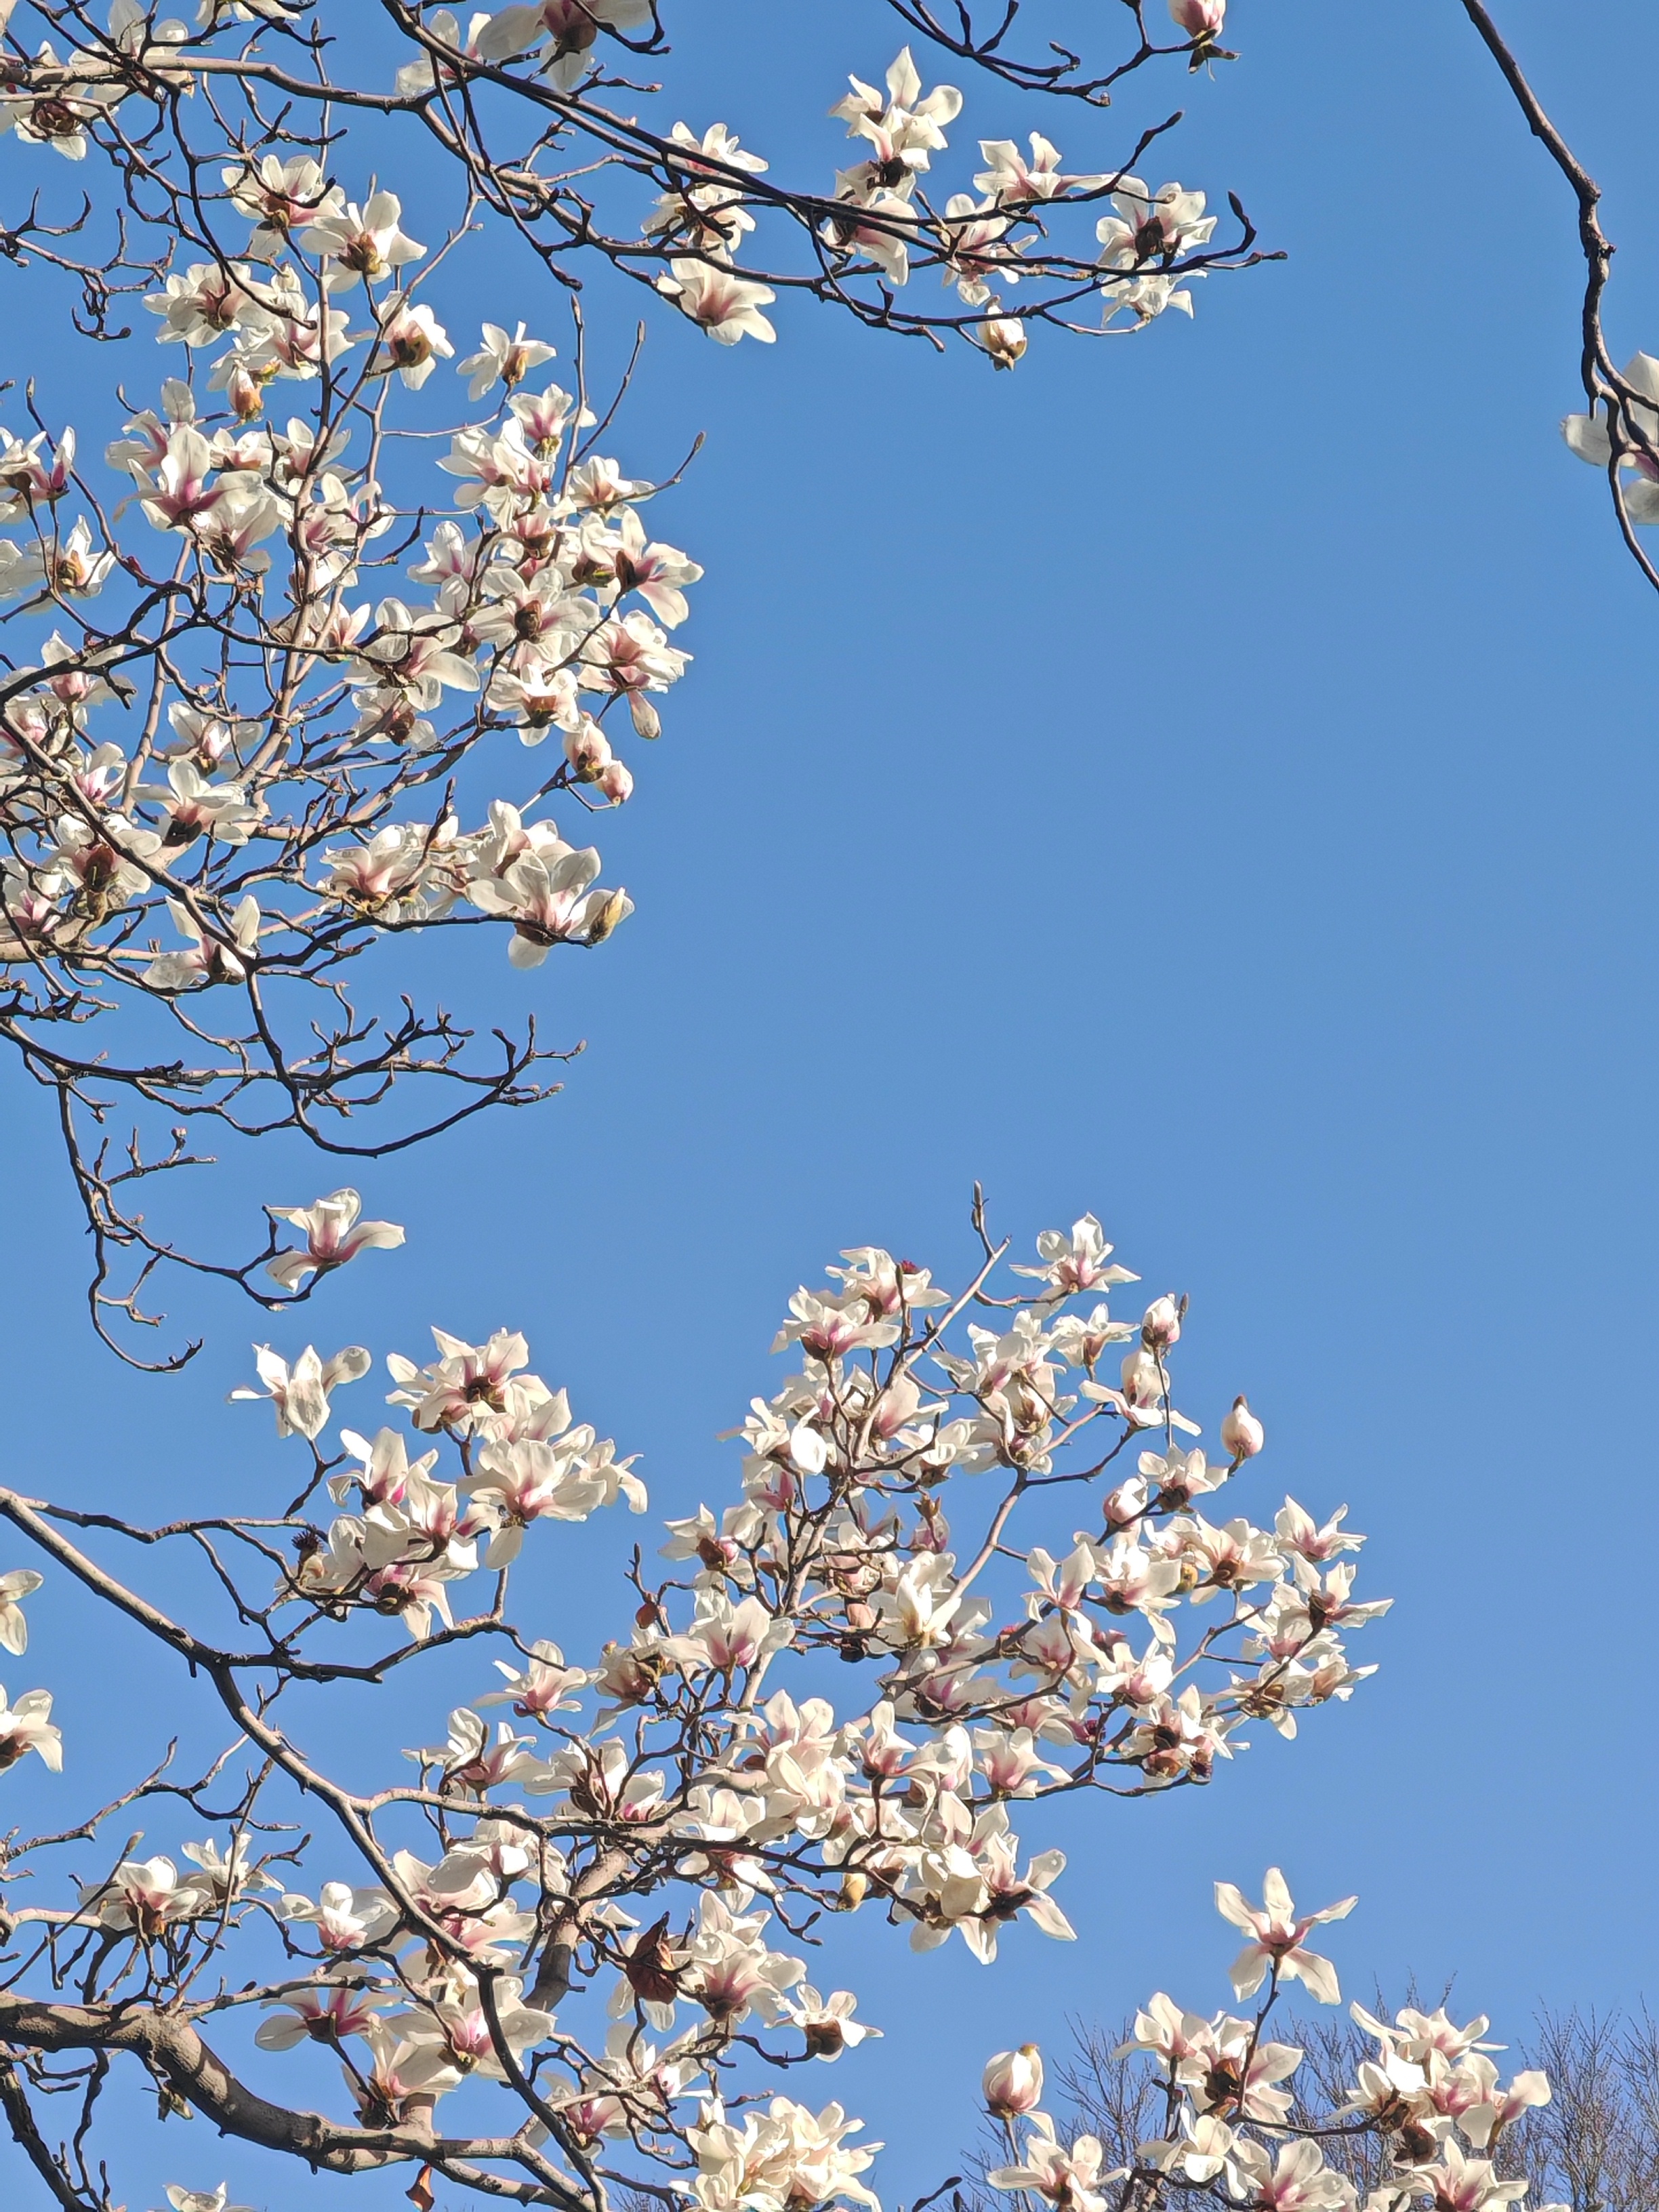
[
  {"x": 615, "y": 908},
  {"x": 1200, "y": 18},
  {"x": 1161, "y": 1325},
  {"x": 854, "y": 1886},
  {"x": 1013, "y": 2082},
  {"x": 615, "y": 781},
  {"x": 245, "y": 394},
  {"x": 1127, "y": 1503},
  {"x": 647, "y": 720},
  {"x": 1003, "y": 339},
  {"x": 1242, "y": 1434}
]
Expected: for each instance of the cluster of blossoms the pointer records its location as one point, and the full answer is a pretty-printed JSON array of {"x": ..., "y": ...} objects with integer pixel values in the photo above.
[
  {"x": 656, "y": 1828},
  {"x": 223, "y": 781},
  {"x": 258, "y": 663},
  {"x": 885, "y": 219},
  {"x": 1234, "y": 2128},
  {"x": 548, "y": 600}
]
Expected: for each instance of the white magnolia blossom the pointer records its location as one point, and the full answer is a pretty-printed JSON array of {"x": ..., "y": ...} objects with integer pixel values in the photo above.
[
  {"x": 1591, "y": 436},
  {"x": 726, "y": 307},
  {"x": 300, "y": 1393},
  {"x": 334, "y": 1234},
  {"x": 26, "y": 1726},
  {"x": 20, "y": 1582}
]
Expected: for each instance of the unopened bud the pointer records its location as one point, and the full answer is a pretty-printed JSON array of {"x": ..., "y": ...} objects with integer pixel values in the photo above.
[
  {"x": 1013, "y": 2082},
  {"x": 1005, "y": 340},
  {"x": 616, "y": 782},
  {"x": 1161, "y": 1325},
  {"x": 1127, "y": 1503},
  {"x": 615, "y": 908},
  {"x": 245, "y": 394},
  {"x": 1242, "y": 1434},
  {"x": 853, "y": 1889},
  {"x": 1199, "y": 19},
  {"x": 647, "y": 720}
]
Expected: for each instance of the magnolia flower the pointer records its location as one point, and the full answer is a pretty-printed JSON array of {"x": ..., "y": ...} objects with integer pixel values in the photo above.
[
  {"x": 1481, "y": 2123},
  {"x": 705, "y": 207},
  {"x": 1201, "y": 2150},
  {"x": 222, "y": 1877},
  {"x": 142, "y": 1897},
  {"x": 1012, "y": 2082},
  {"x": 1276, "y": 1944},
  {"x": 502, "y": 360},
  {"x": 726, "y": 307},
  {"x": 333, "y": 1235},
  {"x": 425, "y": 73},
  {"x": 26, "y": 1727},
  {"x": 1297, "y": 2180},
  {"x": 1591, "y": 438},
  {"x": 827, "y": 2024},
  {"x": 1065, "y": 2178},
  {"x": 545, "y": 896},
  {"x": 203, "y": 2200},
  {"x": 1014, "y": 181},
  {"x": 345, "y": 1919},
  {"x": 1077, "y": 1261},
  {"x": 909, "y": 125},
  {"x": 1459, "y": 2183},
  {"x": 786, "y": 2157},
  {"x": 730, "y": 1637},
  {"x": 414, "y": 338},
  {"x": 1237, "y": 2072},
  {"x": 573, "y": 27},
  {"x": 27, "y": 478},
  {"x": 210, "y": 959},
  {"x": 541, "y": 1688},
  {"x": 656, "y": 572},
  {"x": 300, "y": 1393},
  {"x": 57, "y": 118},
  {"x": 452, "y": 2040},
  {"x": 468, "y": 1762},
  {"x": 70, "y": 566},
  {"x": 324, "y": 2015},
  {"x": 1199, "y": 19},
  {"x": 277, "y": 196},
  {"x": 20, "y": 1582},
  {"x": 200, "y": 306},
  {"x": 365, "y": 242}
]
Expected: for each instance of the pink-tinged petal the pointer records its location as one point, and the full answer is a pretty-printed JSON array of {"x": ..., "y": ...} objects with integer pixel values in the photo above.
[
  {"x": 1276, "y": 1895},
  {"x": 1248, "y": 1971},
  {"x": 1230, "y": 1904}
]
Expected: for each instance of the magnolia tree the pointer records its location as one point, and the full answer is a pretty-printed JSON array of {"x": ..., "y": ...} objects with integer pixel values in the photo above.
[{"x": 270, "y": 658}]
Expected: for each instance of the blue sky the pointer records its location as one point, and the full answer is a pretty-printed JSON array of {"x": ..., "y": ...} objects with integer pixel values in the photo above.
[{"x": 1210, "y": 780}]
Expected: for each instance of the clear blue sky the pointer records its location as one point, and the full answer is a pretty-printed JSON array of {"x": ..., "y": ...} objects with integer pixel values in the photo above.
[{"x": 1210, "y": 780}]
